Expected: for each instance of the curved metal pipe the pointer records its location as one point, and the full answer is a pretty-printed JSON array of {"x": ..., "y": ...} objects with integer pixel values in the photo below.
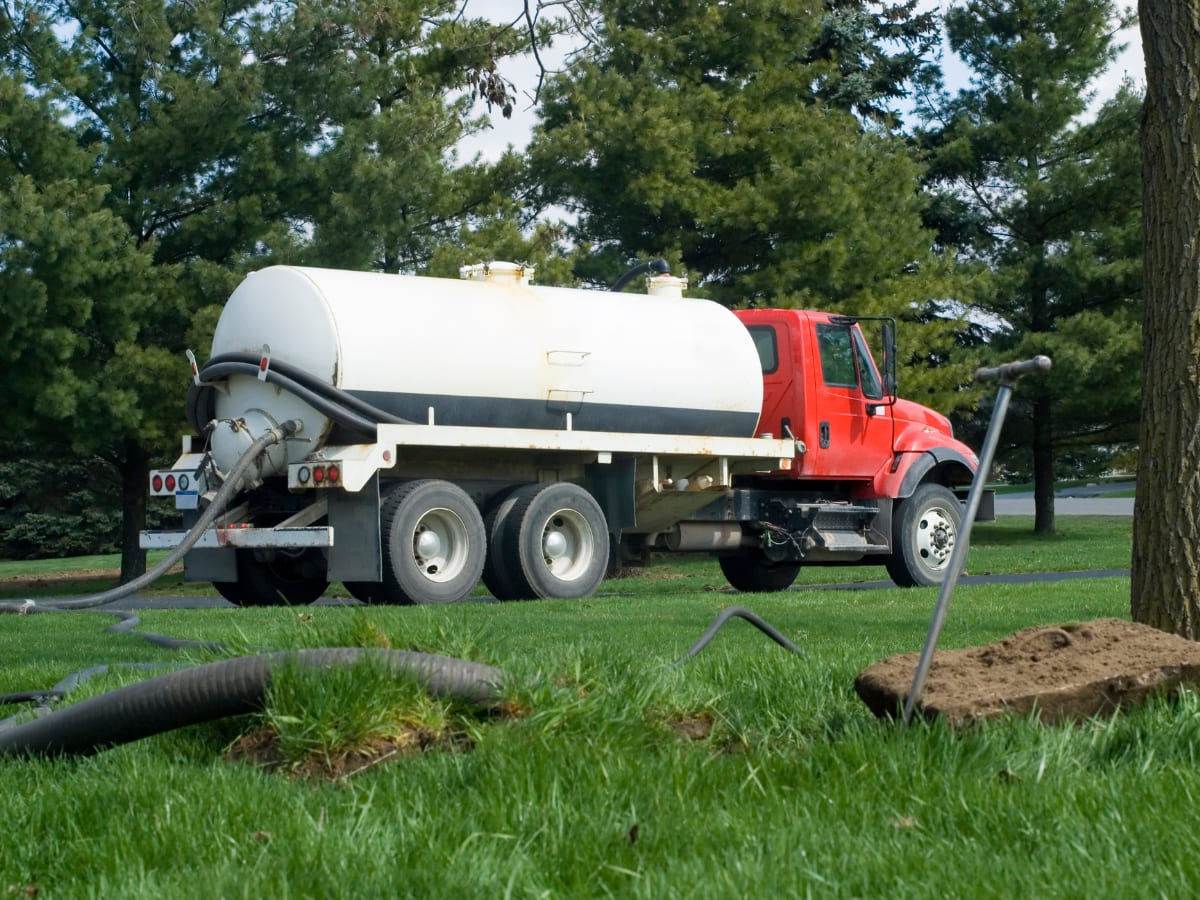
[{"x": 742, "y": 613}]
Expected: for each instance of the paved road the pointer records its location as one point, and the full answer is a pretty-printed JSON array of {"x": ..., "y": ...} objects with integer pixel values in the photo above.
[
  {"x": 1020, "y": 505},
  {"x": 1088, "y": 500}
]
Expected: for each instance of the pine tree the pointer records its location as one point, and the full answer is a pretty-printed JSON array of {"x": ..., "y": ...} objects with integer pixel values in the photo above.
[
  {"x": 708, "y": 134},
  {"x": 163, "y": 147},
  {"x": 387, "y": 184},
  {"x": 1048, "y": 201}
]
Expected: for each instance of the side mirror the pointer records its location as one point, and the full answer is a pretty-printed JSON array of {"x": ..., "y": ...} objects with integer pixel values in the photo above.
[{"x": 889, "y": 358}]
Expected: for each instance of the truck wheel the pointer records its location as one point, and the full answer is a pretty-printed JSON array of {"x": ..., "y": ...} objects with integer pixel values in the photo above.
[
  {"x": 754, "y": 573},
  {"x": 498, "y": 574},
  {"x": 924, "y": 529},
  {"x": 435, "y": 543},
  {"x": 554, "y": 542},
  {"x": 238, "y": 594},
  {"x": 284, "y": 580}
]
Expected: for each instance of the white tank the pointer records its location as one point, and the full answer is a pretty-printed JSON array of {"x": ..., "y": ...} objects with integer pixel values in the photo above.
[{"x": 494, "y": 351}]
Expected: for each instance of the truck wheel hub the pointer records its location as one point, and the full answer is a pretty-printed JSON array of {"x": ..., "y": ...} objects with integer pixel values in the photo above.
[
  {"x": 935, "y": 538},
  {"x": 555, "y": 544},
  {"x": 428, "y": 544}
]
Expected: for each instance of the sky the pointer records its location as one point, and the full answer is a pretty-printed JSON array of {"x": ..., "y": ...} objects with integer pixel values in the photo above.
[{"x": 523, "y": 73}]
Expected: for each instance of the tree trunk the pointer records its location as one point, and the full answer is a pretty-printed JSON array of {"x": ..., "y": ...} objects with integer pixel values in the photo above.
[
  {"x": 135, "y": 466},
  {"x": 1043, "y": 464},
  {"x": 1166, "y": 525}
]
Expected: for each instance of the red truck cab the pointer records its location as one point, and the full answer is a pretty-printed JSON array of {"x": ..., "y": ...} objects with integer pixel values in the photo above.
[
  {"x": 835, "y": 405},
  {"x": 874, "y": 475},
  {"x": 821, "y": 385}
]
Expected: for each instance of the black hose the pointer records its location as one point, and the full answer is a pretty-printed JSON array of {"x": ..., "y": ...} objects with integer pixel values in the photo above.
[
  {"x": 742, "y": 613},
  {"x": 30, "y": 697},
  {"x": 130, "y": 621},
  {"x": 341, "y": 406},
  {"x": 238, "y": 686},
  {"x": 215, "y": 508},
  {"x": 45, "y": 698},
  {"x": 345, "y": 417},
  {"x": 228, "y": 688},
  {"x": 308, "y": 380},
  {"x": 659, "y": 266}
]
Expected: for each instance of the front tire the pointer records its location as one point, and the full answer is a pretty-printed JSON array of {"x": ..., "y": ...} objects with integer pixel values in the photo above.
[
  {"x": 751, "y": 572},
  {"x": 435, "y": 543},
  {"x": 924, "y": 530}
]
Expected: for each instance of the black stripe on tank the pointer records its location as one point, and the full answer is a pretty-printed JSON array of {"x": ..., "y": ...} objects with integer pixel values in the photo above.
[{"x": 504, "y": 412}]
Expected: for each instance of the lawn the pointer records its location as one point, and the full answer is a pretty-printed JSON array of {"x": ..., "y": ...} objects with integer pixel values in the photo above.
[{"x": 746, "y": 771}]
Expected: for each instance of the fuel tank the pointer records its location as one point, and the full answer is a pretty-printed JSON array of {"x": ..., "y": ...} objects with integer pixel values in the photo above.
[{"x": 485, "y": 350}]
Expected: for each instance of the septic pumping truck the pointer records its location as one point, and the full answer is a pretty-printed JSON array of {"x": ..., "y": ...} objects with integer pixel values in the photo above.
[{"x": 410, "y": 436}]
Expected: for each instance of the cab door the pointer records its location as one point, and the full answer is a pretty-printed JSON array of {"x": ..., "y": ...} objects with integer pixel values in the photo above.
[
  {"x": 851, "y": 419},
  {"x": 775, "y": 355}
]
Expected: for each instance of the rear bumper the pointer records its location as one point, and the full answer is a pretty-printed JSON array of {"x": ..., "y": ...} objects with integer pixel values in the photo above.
[{"x": 216, "y": 538}]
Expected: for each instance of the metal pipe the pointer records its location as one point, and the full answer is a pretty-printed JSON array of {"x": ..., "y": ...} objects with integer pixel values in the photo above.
[{"x": 1008, "y": 375}]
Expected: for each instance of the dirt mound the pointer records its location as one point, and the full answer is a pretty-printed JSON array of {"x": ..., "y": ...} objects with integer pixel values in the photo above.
[{"x": 1061, "y": 671}]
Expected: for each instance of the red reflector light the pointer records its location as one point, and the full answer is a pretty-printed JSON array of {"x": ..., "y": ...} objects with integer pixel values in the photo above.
[
  {"x": 170, "y": 482},
  {"x": 318, "y": 474},
  {"x": 157, "y": 483},
  {"x": 334, "y": 473}
]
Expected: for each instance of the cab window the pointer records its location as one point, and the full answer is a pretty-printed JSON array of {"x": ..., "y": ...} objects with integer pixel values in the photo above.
[
  {"x": 767, "y": 346},
  {"x": 837, "y": 356}
]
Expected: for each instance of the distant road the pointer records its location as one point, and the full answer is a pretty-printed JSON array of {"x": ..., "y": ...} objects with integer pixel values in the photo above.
[{"x": 1089, "y": 500}]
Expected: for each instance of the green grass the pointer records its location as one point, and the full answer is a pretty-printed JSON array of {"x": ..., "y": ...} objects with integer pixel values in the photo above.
[{"x": 791, "y": 789}]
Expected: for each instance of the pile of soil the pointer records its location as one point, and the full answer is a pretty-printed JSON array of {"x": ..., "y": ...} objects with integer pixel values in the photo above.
[{"x": 1058, "y": 671}]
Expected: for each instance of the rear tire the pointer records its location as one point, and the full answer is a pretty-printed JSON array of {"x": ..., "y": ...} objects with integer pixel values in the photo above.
[
  {"x": 435, "y": 545},
  {"x": 924, "y": 530},
  {"x": 553, "y": 542},
  {"x": 753, "y": 573},
  {"x": 369, "y": 592},
  {"x": 237, "y": 593},
  {"x": 498, "y": 574},
  {"x": 282, "y": 580}
]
